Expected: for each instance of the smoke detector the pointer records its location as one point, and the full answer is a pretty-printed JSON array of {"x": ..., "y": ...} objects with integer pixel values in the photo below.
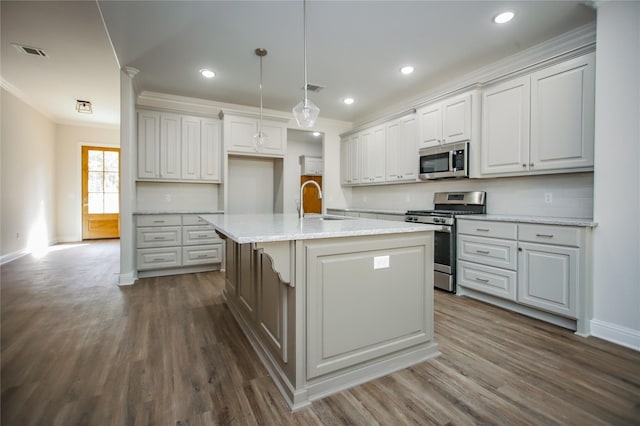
[{"x": 30, "y": 50}]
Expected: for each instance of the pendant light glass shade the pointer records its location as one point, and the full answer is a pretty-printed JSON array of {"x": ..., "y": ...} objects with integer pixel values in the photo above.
[
  {"x": 306, "y": 112},
  {"x": 260, "y": 138}
]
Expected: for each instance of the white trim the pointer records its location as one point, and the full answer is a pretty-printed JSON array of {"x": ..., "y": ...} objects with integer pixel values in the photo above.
[
  {"x": 10, "y": 257},
  {"x": 614, "y": 333},
  {"x": 127, "y": 279}
]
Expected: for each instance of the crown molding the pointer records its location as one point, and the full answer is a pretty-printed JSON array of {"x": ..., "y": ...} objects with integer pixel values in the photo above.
[
  {"x": 25, "y": 98},
  {"x": 573, "y": 43}
]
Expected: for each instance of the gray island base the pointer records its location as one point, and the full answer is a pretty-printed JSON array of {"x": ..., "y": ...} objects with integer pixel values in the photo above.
[{"x": 329, "y": 304}]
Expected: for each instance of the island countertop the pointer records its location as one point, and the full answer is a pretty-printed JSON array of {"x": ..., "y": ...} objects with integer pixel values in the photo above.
[{"x": 254, "y": 228}]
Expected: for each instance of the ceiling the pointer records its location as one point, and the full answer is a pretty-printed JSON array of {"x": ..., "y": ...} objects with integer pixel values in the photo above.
[{"x": 355, "y": 48}]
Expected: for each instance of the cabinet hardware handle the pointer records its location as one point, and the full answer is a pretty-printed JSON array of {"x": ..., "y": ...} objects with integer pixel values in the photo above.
[
  {"x": 524, "y": 165},
  {"x": 545, "y": 235},
  {"x": 482, "y": 251},
  {"x": 482, "y": 229},
  {"x": 202, "y": 235},
  {"x": 158, "y": 221},
  {"x": 160, "y": 259},
  {"x": 158, "y": 238},
  {"x": 519, "y": 248},
  {"x": 530, "y": 164},
  {"x": 482, "y": 280},
  {"x": 202, "y": 256}
]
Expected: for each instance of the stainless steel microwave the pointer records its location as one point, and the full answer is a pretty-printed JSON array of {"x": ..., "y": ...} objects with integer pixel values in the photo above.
[{"x": 446, "y": 161}]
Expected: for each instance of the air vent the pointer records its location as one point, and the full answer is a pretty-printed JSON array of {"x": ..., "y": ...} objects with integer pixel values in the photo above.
[
  {"x": 28, "y": 50},
  {"x": 314, "y": 87}
]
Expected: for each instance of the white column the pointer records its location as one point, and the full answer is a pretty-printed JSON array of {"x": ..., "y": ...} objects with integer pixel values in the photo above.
[
  {"x": 616, "y": 268},
  {"x": 127, "y": 174}
]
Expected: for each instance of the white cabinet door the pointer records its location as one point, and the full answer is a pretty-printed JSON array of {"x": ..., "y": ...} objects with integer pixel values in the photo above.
[
  {"x": 505, "y": 127},
  {"x": 148, "y": 144},
  {"x": 239, "y": 132},
  {"x": 170, "y": 146},
  {"x": 365, "y": 146},
  {"x": 401, "y": 149},
  {"x": 355, "y": 159},
  {"x": 562, "y": 115},
  {"x": 430, "y": 125},
  {"x": 456, "y": 119},
  {"x": 210, "y": 151},
  {"x": 190, "y": 148},
  {"x": 548, "y": 277},
  {"x": 376, "y": 153},
  {"x": 345, "y": 165},
  {"x": 408, "y": 154}
]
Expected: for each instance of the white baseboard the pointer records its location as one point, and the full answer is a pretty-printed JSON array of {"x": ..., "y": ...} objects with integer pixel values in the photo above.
[
  {"x": 616, "y": 334},
  {"x": 127, "y": 279},
  {"x": 69, "y": 238},
  {"x": 9, "y": 257}
]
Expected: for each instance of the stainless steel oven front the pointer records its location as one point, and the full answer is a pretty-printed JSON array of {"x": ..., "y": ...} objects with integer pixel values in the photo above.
[{"x": 444, "y": 261}]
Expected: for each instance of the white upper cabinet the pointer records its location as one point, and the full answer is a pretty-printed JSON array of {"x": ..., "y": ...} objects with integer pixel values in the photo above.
[
  {"x": 445, "y": 122},
  {"x": 540, "y": 123},
  {"x": 562, "y": 115},
  {"x": 148, "y": 144},
  {"x": 170, "y": 146},
  {"x": 312, "y": 166},
  {"x": 210, "y": 150},
  {"x": 505, "y": 127},
  {"x": 173, "y": 147},
  {"x": 402, "y": 149},
  {"x": 372, "y": 145},
  {"x": 239, "y": 131}
]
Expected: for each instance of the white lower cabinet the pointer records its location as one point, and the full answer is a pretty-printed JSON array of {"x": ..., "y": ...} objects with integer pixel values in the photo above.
[
  {"x": 175, "y": 244},
  {"x": 537, "y": 266}
]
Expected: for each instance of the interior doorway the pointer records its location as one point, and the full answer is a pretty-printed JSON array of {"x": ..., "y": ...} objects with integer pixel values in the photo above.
[{"x": 100, "y": 192}]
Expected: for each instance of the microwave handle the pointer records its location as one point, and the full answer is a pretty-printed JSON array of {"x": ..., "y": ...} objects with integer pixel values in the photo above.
[{"x": 451, "y": 154}]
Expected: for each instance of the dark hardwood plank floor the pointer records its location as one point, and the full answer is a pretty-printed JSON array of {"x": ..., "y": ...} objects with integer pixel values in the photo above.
[{"x": 77, "y": 349}]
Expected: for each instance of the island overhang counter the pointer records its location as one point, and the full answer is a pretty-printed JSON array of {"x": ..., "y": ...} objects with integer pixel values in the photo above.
[{"x": 329, "y": 302}]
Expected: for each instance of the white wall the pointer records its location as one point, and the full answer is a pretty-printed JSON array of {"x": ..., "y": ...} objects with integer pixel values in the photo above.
[
  {"x": 251, "y": 185},
  {"x": 28, "y": 178},
  {"x": 571, "y": 195},
  {"x": 69, "y": 142},
  {"x": 176, "y": 197},
  {"x": 616, "y": 266}
]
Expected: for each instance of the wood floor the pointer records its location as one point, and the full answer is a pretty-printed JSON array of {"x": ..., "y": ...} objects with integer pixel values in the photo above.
[{"x": 79, "y": 350}]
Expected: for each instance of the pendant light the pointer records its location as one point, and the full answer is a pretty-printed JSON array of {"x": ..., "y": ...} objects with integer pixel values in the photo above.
[
  {"x": 260, "y": 138},
  {"x": 306, "y": 112}
]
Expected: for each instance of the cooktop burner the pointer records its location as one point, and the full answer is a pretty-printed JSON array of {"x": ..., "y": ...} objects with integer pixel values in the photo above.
[{"x": 440, "y": 212}]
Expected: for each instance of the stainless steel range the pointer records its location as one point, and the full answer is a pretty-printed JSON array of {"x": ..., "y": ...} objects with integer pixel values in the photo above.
[{"x": 447, "y": 206}]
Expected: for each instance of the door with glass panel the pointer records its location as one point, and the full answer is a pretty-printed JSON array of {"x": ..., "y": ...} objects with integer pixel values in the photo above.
[{"x": 100, "y": 192}]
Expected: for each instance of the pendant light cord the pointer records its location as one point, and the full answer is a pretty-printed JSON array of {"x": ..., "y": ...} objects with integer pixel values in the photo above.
[
  {"x": 260, "y": 129},
  {"x": 304, "y": 24}
]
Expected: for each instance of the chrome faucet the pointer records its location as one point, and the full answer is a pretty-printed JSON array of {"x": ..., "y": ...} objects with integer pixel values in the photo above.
[{"x": 301, "y": 210}]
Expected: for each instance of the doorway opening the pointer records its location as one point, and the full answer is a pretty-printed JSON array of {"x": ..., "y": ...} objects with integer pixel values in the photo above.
[{"x": 100, "y": 192}]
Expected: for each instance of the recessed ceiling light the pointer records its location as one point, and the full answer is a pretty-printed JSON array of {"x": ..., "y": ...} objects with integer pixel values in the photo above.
[
  {"x": 503, "y": 18},
  {"x": 207, "y": 73},
  {"x": 348, "y": 101},
  {"x": 316, "y": 134},
  {"x": 408, "y": 69}
]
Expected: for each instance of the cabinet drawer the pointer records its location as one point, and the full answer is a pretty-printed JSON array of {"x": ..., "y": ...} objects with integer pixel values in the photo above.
[
  {"x": 158, "y": 258},
  {"x": 549, "y": 234},
  {"x": 163, "y": 236},
  {"x": 486, "y": 279},
  {"x": 481, "y": 228},
  {"x": 193, "y": 235},
  {"x": 488, "y": 251},
  {"x": 193, "y": 219},
  {"x": 158, "y": 220},
  {"x": 198, "y": 255}
]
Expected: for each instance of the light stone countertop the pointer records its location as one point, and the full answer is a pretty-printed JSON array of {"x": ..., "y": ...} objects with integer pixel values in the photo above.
[
  {"x": 565, "y": 221},
  {"x": 143, "y": 212},
  {"x": 254, "y": 228},
  {"x": 374, "y": 211}
]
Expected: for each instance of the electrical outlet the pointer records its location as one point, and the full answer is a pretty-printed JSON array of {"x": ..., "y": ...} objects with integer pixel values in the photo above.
[
  {"x": 548, "y": 197},
  {"x": 17, "y": 235},
  {"x": 167, "y": 198}
]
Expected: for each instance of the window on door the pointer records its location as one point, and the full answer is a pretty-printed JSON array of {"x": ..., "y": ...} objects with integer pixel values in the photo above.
[{"x": 100, "y": 192}]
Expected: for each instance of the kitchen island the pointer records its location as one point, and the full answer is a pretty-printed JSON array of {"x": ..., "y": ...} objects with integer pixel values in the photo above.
[{"x": 329, "y": 302}]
